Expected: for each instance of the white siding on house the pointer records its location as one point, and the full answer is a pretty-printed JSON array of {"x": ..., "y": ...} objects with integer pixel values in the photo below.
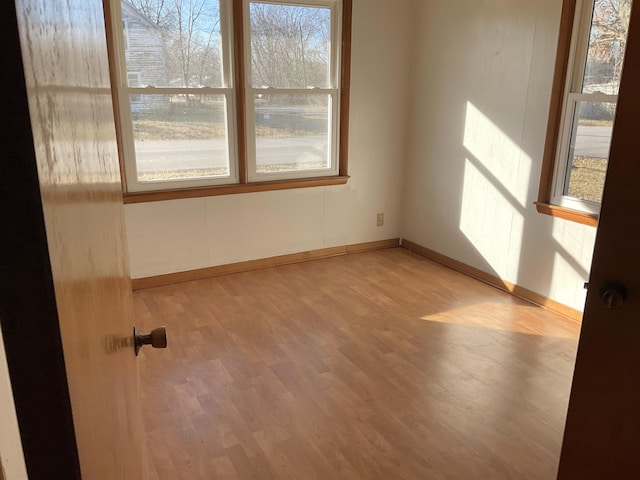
[{"x": 145, "y": 59}]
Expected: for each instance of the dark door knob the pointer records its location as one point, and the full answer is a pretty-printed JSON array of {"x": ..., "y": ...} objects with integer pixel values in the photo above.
[
  {"x": 613, "y": 295},
  {"x": 157, "y": 338}
]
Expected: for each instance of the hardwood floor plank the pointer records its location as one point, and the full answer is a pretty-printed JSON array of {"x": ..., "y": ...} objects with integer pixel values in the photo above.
[{"x": 377, "y": 365}]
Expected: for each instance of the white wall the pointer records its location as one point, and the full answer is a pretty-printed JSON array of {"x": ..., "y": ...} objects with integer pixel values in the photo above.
[
  {"x": 481, "y": 87},
  {"x": 455, "y": 94},
  {"x": 11, "y": 456},
  {"x": 180, "y": 235}
]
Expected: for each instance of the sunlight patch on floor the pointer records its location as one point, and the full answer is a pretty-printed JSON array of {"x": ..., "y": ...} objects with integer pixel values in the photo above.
[{"x": 508, "y": 318}]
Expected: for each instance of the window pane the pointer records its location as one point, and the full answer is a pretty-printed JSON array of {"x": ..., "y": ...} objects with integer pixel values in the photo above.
[
  {"x": 290, "y": 46},
  {"x": 607, "y": 42},
  {"x": 173, "y": 44},
  {"x": 180, "y": 137},
  {"x": 133, "y": 80},
  {"x": 593, "y": 123},
  {"x": 292, "y": 133}
]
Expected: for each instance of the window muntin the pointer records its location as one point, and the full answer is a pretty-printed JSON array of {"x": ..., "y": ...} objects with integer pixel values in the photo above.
[
  {"x": 597, "y": 52},
  {"x": 178, "y": 117}
]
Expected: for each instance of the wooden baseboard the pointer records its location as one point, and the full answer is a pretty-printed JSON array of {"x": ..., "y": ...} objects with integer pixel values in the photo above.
[
  {"x": 201, "y": 273},
  {"x": 208, "y": 272},
  {"x": 494, "y": 281}
]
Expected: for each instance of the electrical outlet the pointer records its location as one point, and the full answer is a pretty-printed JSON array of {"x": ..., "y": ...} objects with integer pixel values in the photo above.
[{"x": 380, "y": 220}]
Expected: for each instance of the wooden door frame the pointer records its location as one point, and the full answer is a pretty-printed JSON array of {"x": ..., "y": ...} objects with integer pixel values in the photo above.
[{"x": 28, "y": 312}]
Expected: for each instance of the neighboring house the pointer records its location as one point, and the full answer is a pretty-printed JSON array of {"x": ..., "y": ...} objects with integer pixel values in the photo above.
[{"x": 145, "y": 59}]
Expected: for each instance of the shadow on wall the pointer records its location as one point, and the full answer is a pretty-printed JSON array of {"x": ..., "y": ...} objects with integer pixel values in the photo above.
[
  {"x": 494, "y": 203},
  {"x": 479, "y": 122}
]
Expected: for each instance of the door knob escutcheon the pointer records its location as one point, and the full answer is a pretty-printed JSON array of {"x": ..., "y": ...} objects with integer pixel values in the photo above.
[
  {"x": 613, "y": 295},
  {"x": 157, "y": 338}
]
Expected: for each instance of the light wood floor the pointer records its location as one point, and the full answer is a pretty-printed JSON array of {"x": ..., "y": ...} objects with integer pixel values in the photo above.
[{"x": 378, "y": 365}]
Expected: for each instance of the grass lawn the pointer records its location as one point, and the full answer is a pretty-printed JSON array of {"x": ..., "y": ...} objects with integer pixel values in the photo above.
[{"x": 587, "y": 178}]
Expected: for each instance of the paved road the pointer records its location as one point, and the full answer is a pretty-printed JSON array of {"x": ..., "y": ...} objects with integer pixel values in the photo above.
[
  {"x": 593, "y": 141},
  {"x": 158, "y": 155}
]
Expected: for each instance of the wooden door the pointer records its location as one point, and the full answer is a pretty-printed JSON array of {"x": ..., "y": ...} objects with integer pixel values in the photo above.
[
  {"x": 65, "y": 296},
  {"x": 602, "y": 435}
]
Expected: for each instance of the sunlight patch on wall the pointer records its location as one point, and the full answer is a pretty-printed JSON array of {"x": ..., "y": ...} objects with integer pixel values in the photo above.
[
  {"x": 564, "y": 286},
  {"x": 572, "y": 261},
  {"x": 496, "y": 182},
  {"x": 500, "y": 155},
  {"x": 490, "y": 222},
  {"x": 577, "y": 241}
]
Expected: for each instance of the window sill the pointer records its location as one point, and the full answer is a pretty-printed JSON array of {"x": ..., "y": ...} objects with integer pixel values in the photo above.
[
  {"x": 577, "y": 216},
  {"x": 158, "y": 196}
]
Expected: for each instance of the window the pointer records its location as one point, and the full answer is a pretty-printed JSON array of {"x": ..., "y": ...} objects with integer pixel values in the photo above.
[
  {"x": 227, "y": 96},
  {"x": 292, "y": 90},
  {"x": 589, "y": 65},
  {"x": 133, "y": 80}
]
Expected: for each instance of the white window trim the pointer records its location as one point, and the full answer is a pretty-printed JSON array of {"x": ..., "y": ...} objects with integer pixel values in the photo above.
[
  {"x": 333, "y": 91},
  {"x": 123, "y": 91},
  {"x": 241, "y": 178},
  {"x": 572, "y": 95}
]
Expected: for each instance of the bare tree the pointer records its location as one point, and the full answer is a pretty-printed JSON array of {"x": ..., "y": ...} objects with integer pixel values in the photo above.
[
  {"x": 197, "y": 23},
  {"x": 156, "y": 11},
  {"x": 608, "y": 38},
  {"x": 289, "y": 45},
  {"x": 191, "y": 34}
]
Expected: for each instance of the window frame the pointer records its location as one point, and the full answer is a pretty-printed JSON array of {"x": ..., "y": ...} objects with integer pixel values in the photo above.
[
  {"x": 332, "y": 90},
  {"x": 573, "y": 45},
  {"x": 235, "y": 89}
]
